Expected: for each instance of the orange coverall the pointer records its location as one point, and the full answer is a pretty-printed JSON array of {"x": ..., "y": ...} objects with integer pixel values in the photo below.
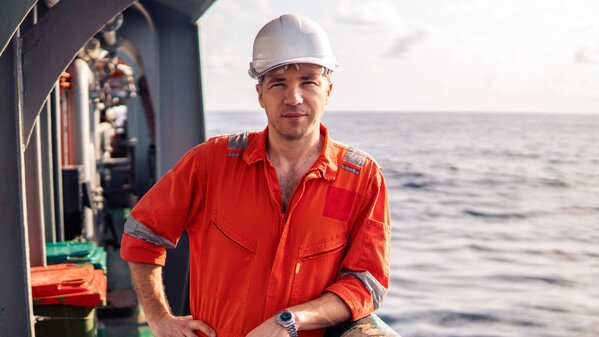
[{"x": 248, "y": 259}]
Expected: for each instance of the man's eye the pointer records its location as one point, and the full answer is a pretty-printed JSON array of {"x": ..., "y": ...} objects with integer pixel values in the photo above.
[
  {"x": 310, "y": 83},
  {"x": 273, "y": 85}
]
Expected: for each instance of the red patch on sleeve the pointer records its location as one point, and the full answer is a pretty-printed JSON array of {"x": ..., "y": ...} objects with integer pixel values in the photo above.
[{"x": 339, "y": 203}]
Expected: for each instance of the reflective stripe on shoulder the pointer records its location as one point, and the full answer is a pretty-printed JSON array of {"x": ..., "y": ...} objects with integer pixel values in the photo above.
[
  {"x": 353, "y": 160},
  {"x": 138, "y": 230},
  {"x": 376, "y": 289},
  {"x": 237, "y": 143}
]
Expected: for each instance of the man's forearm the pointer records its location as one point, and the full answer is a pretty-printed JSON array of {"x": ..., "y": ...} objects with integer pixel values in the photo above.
[
  {"x": 326, "y": 311},
  {"x": 147, "y": 279},
  {"x": 323, "y": 312},
  {"x": 150, "y": 292}
]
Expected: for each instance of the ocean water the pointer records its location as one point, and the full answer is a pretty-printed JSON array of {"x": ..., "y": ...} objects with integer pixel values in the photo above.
[{"x": 495, "y": 218}]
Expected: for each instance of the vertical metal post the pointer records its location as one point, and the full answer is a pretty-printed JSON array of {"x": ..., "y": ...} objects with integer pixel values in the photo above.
[
  {"x": 33, "y": 181},
  {"x": 180, "y": 123},
  {"x": 140, "y": 30},
  {"x": 34, "y": 192},
  {"x": 47, "y": 162},
  {"x": 16, "y": 315},
  {"x": 180, "y": 114},
  {"x": 56, "y": 162}
]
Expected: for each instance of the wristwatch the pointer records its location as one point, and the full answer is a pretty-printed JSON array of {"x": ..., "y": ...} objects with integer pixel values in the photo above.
[{"x": 286, "y": 319}]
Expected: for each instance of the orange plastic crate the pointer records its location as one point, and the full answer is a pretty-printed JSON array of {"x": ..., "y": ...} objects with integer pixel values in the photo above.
[{"x": 68, "y": 284}]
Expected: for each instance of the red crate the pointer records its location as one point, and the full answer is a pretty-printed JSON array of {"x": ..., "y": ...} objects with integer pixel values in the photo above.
[{"x": 68, "y": 284}]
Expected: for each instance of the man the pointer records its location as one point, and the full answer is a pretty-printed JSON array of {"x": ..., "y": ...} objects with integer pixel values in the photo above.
[{"x": 288, "y": 229}]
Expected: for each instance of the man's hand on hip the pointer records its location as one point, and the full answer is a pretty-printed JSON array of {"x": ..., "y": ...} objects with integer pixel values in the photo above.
[
  {"x": 147, "y": 279},
  {"x": 176, "y": 326}
]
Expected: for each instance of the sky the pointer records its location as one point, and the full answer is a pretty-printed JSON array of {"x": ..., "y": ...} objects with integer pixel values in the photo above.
[{"x": 538, "y": 56}]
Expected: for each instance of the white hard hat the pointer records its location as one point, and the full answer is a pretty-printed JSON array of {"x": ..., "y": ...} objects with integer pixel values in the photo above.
[{"x": 290, "y": 39}]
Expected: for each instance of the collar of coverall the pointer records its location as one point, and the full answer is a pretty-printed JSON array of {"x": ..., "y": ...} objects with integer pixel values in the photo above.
[{"x": 326, "y": 163}]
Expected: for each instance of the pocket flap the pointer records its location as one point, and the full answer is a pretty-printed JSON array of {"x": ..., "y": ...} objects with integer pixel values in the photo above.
[
  {"x": 323, "y": 248},
  {"x": 228, "y": 229}
]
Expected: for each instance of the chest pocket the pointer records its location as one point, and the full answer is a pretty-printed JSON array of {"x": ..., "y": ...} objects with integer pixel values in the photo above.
[
  {"x": 317, "y": 267},
  {"x": 226, "y": 255}
]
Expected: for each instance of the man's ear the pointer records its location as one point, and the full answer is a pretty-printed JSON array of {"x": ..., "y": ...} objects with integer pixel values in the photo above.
[
  {"x": 329, "y": 91},
  {"x": 259, "y": 91}
]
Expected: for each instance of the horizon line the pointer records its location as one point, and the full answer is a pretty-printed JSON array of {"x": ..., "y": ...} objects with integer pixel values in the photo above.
[{"x": 424, "y": 112}]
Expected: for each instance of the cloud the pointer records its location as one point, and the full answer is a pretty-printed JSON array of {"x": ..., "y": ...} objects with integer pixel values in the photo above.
[
  {"x": 587, "y": 55},
  {"x": 373, "y": 14},
  {"x": 406, "y": 42},
  {"x": 381, "y": 17}
]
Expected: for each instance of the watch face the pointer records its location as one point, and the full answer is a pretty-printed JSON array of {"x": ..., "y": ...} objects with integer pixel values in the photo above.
[{"x": 285, "y": 316}]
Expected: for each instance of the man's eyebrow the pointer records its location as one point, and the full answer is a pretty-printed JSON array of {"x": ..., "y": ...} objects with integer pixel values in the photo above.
[
  {"x": 309, "y": 76},
  {"x": 275, "y": 79}
]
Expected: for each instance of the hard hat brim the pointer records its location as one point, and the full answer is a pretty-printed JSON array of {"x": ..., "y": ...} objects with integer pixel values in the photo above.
[{"x": 258, "y": 68}]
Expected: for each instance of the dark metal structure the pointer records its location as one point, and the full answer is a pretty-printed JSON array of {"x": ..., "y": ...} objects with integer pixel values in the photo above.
[{"x": 38, "y": 41}]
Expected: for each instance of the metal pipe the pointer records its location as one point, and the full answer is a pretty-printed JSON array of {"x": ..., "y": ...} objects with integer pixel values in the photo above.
[{"x": 80, "y": 126}]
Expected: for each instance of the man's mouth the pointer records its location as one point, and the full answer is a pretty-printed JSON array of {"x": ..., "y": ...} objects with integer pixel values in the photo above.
[{"x": 294, "y": 114}]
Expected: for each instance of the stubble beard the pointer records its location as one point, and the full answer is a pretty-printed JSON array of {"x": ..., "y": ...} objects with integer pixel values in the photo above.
[{"x": 291, "y": 135}]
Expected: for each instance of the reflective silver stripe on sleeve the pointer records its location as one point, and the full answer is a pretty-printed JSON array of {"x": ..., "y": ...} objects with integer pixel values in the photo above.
[
  {"x": 238, "y": 141},
  {"x": 350, "y": 169},
  {"x": 376, "y": 289},
  {"x": 139, "y": 231}
]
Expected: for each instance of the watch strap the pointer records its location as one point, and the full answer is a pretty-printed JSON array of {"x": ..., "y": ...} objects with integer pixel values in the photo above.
[{"x": 292, "y": 330}]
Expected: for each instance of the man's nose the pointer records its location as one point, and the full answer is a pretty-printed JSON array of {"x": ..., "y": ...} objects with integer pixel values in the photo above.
[{"x": 293, "y": 96}]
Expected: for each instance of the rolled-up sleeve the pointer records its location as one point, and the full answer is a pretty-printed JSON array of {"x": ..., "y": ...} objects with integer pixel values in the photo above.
[
  {"x": 364, "y": 277},
  {"x": 158, "y": 219}
]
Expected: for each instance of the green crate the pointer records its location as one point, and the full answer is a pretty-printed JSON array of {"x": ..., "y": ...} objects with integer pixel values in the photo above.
[
  {"x": 76, "y": 252},
  {"x": 65, "y": 321},
  {"x": 69, "y": 251},
  {"x": 99, "y": 258}
]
